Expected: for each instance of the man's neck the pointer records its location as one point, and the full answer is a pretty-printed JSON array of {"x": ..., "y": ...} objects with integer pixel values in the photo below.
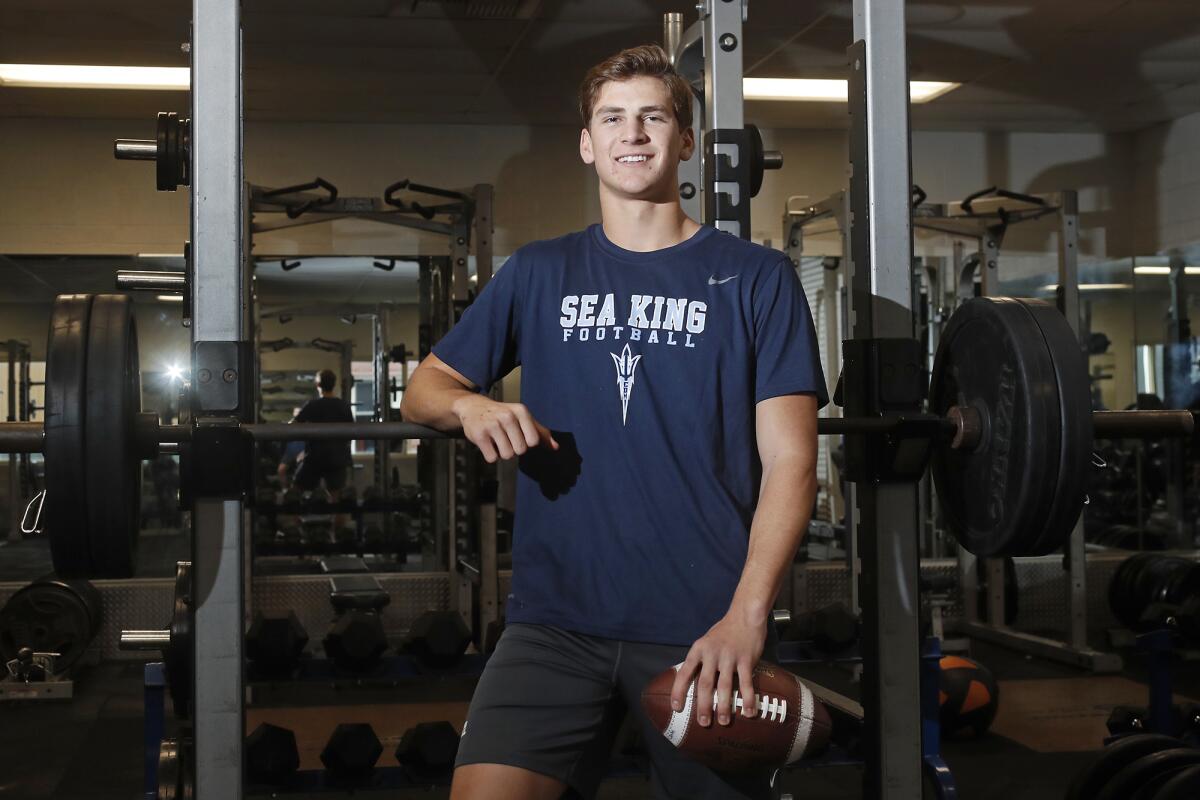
[
  {"x": 327, "y": 394},
  {"x": 643, "y": 225}
]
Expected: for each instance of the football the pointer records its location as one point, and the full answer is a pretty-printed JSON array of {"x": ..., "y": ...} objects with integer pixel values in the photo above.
[{"x": 791, "y": 724}]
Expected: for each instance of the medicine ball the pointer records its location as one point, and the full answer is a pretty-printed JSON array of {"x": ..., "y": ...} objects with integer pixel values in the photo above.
[{"x": 968, "y": 697}]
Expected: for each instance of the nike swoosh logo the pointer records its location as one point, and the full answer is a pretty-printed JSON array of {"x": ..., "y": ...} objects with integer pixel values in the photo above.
[{"x": 712, "y": 281}]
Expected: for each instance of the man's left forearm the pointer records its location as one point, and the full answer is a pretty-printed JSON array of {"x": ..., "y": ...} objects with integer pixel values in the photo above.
[{"x": 789, "y": 487}]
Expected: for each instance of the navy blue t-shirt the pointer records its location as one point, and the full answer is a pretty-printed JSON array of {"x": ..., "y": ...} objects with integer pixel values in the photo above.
[{"x": 647, "y": 368}]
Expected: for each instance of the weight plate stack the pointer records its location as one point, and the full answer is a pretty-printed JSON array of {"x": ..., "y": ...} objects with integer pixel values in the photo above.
[
  {"x": 66, "y": 501},
  {"x": 114, "y": 398},
  {"x": 1091, "y": 781},
  {"x": 1146, "y": 771},
  {"x": 996, "y": 496},
  {"x": 51, "y": 615},
  {"x": 176, "y": 777},
  {"x": 1075, "y": 424}
]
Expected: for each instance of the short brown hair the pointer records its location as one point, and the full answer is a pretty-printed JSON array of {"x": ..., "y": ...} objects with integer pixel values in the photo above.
[
  {"x": 327, "y": 379},
  {"x": 648, "y": 60}
]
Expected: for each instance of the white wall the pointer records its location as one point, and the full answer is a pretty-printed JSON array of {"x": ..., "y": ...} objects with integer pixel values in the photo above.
[
  {"x": 1167, "y": 164},
  {"x": 66, "y": 194}
]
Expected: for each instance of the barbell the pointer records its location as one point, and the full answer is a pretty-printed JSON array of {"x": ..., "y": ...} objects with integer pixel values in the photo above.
[{"x": 1008, "y": 431}]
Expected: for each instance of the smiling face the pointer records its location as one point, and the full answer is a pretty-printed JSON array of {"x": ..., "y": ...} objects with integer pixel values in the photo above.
[{"x": 635, "y": 141}]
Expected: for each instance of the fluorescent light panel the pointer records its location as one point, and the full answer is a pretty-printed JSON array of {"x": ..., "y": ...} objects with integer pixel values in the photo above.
[
  {"x": 829, "y": 90},
  {"x": 81, "y": 76},
  {"x": 1093, "y": 287},
  {"x": 1149, "y": 270},
  {"x": 170, "y": 298}
]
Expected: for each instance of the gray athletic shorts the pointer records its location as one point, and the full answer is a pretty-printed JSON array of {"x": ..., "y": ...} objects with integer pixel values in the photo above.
[{"x": 552, "y": 701}]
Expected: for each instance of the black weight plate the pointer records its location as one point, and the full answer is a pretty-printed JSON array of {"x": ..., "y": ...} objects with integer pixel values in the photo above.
[
  {"x": 48, "y": 617},
  {"x": 1152, "y": 788},
  {"x": 1075, "y": 424},
  {"x": 1183, "y": 785},
  {"x": 993, "y": 357},
  {"x": 178, "y": 656},
  {"x": 166, "y": 137},
  {"x": 756, "y": 159},
  {"x": 114, "y": 397},
  {"x": 1140, "y": 772},
  {"x": 1185, "y": 583},
  {"x": 1088, "y": 784},
  {"x": 66, "y": 505},
  {"x": 1151, "y": 580}
]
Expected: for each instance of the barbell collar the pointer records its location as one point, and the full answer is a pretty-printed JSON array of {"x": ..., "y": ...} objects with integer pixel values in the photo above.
[
  {"x": 772, "y": 159},
  {"x": 968, "y": 427},
  {"x": 1132, "y": 424},
  {"x": 135, "y": 149},
  {"x": 145, "y": 640}
]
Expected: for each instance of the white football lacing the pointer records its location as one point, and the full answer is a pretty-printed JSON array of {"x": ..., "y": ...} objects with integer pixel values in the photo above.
[{"x": 771, "y": 708}]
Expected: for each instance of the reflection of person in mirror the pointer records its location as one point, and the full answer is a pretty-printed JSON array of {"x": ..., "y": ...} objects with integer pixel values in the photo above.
[
  {"x": 666, "y": 438},
  {"x": 324, "y": 461}
]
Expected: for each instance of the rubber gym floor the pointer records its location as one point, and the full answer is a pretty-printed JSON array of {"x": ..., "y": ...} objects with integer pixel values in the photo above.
[{"x": 1051, "y": 717}]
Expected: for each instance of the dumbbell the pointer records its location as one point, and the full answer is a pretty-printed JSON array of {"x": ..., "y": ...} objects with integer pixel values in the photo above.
[
  {"x": 831, "y": 629},
  {"x": 437, "y": 639},
  {"x": 351, "y": 752},
  {"x": 427, "y": 751},
  {"x": 274, "y": 643},
  {"x": 1127, "y": 719},
  {"x": 271, "y": 755},
  {"x": 356, "y": 639}
]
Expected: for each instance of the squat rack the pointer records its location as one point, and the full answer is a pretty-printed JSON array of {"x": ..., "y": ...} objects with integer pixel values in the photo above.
[
  {"x": 985, "y": 216},
  {"x": 709, "y": 54}
]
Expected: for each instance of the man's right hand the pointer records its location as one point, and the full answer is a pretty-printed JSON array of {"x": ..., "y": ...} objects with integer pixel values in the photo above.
[{"x": 500, "y": 430}]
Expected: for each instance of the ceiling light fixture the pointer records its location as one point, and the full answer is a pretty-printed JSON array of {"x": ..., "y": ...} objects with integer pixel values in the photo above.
[
  {"x": 829, "y": 90},
  {"x": 1092, "y": 287},
  {"x": 82, "y": 76},
  {"x": 1155, "y": 270}
]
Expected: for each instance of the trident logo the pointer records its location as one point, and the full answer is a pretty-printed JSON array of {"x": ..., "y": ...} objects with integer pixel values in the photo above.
[{"x": 626, "y": 364}]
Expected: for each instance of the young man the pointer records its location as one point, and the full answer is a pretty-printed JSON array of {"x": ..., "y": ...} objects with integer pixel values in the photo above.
[
  {"x": 667, "y": 444},
  {"x": 324, "y": 461}
]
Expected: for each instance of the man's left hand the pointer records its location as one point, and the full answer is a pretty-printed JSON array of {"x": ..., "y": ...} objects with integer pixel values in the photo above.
[{"x": 730, "y": 646}]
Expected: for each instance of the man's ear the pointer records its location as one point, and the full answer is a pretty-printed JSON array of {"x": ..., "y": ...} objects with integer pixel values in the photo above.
[
  {"x": 585, "y": 147},
  {"x": 689, "y": 144}
]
